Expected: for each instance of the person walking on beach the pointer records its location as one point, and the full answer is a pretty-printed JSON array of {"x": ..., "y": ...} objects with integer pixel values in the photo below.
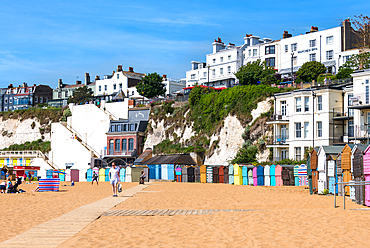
[
  {"x": 94, "y": 178},
  {"x": 114, "y": 178}
]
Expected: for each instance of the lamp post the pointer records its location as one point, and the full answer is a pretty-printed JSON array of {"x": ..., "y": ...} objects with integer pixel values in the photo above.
[
  {"x": 208, "y": 75},
  {"x": 313, "y": 118},
  {"x": 292, "y": 65},
  {"x": 338, "y": 62}
]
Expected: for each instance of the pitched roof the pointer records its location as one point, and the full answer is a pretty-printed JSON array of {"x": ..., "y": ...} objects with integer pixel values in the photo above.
[
  {"x": 171, "y": 159},
  {"x": 334, "y": 150},
  {"x": 147, "y": 154}
]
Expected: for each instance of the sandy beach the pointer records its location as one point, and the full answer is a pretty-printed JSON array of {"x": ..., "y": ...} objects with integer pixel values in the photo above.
[{"x": 277, "y": 217}]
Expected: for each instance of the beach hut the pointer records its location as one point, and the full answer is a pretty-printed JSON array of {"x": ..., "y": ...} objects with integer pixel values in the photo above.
[
  {"x": 260, "y": 175},
  {"x": 322, "y": 167},
  {"x": 122, "y": 174},
  {"x": 366, "y": 165},
  {"x": 352, "y": 191},
  {"x": 226, "y": 174},
  {"x": 279, "y": 180},
  {"x": 221, "y": 174},
  {"x": 358, "y": 172},
  {"x": 151, "y": 171},
  {"x": 339, "y": 174},
  {"x": 285, "y": 176},
  {"x": 231, "y": 174},
  {"x": 216, "y": 178},
  {"x": 102, "y": 175},
  {"x": 266, "y": 174},
  {"x": 72, "y": 175},
  {"x": 184, "y": 173},
  {"x": 164, "y": 171},
  {"x": 128, "y": 177},
  {"x": 203, "y": 174},
  {"x": 315, "y": 174},
  {"x": 302, "y": 175},
  {"x": 346, "y": 166},
  {"x": 49, "y": 174},
  {"x": 255, "y": 178},
  {"x": 107, "y": 174},
  {"x": 170, "y": 172},
  {"x": 191, "y": 174},
  {"x": 250, "y": 176},
  {"x": 197, "y": 174},
  {"x": 296, "y": 177},
  {"x": 178, "y": 174},
  {"x": 136, "y": 173},
  {"x": 272, "y": 175},
  {"x": 158, "y": 171},
  {"x": 309, "y": 174},
  {"x": 331, "y": 173},
  {"x": 238, "y": 178},
  {"x": 89, "y": 174},
  {"x": 62, "y": 176},
  {"x": 209, "y": 174},
  {"x": 245, "y": 175}
]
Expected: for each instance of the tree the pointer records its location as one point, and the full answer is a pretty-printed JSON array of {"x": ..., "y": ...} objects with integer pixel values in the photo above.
[
  {"x": 310, "y": 71},
  {"x": 151, "y": 85},
  {"x": 81, "y": 95},
  {"x": 344, "y": 72},
  {"x": 358, "y": 61},
  {"x": 361, "y": 25},
  {"x": 255, "y": 71}
]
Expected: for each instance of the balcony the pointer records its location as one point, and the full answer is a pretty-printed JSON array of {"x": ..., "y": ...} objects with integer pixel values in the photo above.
[
  {"x": 120, "y": 153},
  {"x": 280, "y": 139},
  {"x": 279, "y": 117},
  {"x": 339, "y": 114}
]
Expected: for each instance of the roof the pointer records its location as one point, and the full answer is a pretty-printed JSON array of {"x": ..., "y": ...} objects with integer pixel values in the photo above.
[
  {"x": 333, "y": 150},
  {"x": 171, "y": 159},
  {"x": 147, "y": 154},
  {"x": 133, "y": 75}
]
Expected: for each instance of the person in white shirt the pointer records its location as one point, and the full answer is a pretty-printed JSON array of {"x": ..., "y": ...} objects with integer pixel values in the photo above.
[{"x": 114, "y": 178}]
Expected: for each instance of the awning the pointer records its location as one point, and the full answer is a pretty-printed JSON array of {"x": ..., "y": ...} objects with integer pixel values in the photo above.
[
  {"x": 26, "y": 168},
  {"x": 362, "y": 106},
  {"x": 329, "y": 63}
]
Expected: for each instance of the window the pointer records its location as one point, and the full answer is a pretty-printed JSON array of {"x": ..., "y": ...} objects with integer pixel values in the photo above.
[
  {"x": 286, "y": 48},
  {"x": 41, "y": 99},
  {"x": 283, "y": 108},
  {"x": 124, "y": 128},
  {"x": 221, "y": 71},
  {"x": 298, "y": 131},
  {"x": 229, "y": 57},
  {"x": 270, "y": 50},
  {"x": 329, "y": 55},
  {"x": 306, "y": 103},
  {"x": 59, "y": 94},
  {"x": 249, "y": 53},
  {"x": 295, "y": 60},
  {"x": 297, "y": 151},
  {"x": 133, "y": 92},
  {"x": 120, "y": 86},
  {"x": 270, "y": 61},
  {"x": 99, "y": 87},
  {"x": 36, "y": 99},
  {"x": 214, "y": 61},
  {"x": 298, "y": 104},
  {"x": 229, "y": 69},
  {"x": 319, "y": 102},
  {"x": 131, "y": 144},
  {"x": 283, "y": 154},
  {"x": 319, "y": 129},
  {"x": 118, "y": 128},
  {"x": 10, "y": 100},
  {"x": 46, "y": 100},
  {"x": 350, "y": 103},
  {"x": 345, "y": 58},
  {"x": 351, "y": 128},
  {"x": 111, "y": 144},
  {"x": 117, "y": 145},
  {"x": 117, "y": 76},
  {"x": 205, "y": 74},
  {"x": 367, "y": 92},
  {"x": 294, "y": 47},
  {"x": 306, "y": 127},
  {"x": 105, "y": 87},
  {"x": 254, "y": 52},
  {"x": 193, "y": 76},
  {"x": 113, "y": 128},
  {"x": 66, "y": 93},
  {"x": 6, "y": 100},
  {"x": 329, "y": 40},
  {"x": 222, "y": 59},
  {"x": 114, "y": 86},
  {"x": 313, "y": 57},
  {"x": 213, "y": 72},
  {"x": 132, "y": 127},
  {"x": 312, "y": 43},
  {"x": 124, "y": 144}
]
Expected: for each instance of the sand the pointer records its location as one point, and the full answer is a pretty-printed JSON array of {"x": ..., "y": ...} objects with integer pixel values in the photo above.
[
  {"x": 281, "y": 217},
  {"x": 20, "y": 212}
]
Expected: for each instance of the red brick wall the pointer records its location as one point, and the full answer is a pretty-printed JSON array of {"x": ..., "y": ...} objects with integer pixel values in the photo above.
[{"x": 137, "y": 143}]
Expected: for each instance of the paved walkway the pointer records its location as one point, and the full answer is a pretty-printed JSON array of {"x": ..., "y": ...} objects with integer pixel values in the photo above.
[
  {"x": 56, "y": 231},
  {"x": 172, "y": 212}
]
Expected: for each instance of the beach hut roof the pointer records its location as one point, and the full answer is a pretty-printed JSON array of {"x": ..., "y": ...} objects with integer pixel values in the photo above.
[
  {"x": 359, "y": 146},
  {"x": 331, "y": 150},
  {"x": 171, "y": 159},
  {"x": 331, "y": 157},
  {"x": 147, "y": 154}
]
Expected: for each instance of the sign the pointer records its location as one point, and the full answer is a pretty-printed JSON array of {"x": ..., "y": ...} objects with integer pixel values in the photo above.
[
  {"x": 353, "y": 99},
  {"x": 308, "y": 50},
  {"x": 26, "y": 168},
  {"x": 331, "y": 166},
  {"x": 345, "y": 139}
]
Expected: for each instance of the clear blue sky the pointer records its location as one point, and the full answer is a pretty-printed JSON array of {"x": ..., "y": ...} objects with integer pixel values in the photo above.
[{"x": 42, "y": 41}]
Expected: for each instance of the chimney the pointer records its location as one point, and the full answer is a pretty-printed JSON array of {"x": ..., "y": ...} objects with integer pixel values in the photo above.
[
  {"x": 119, "y": 68},
  {"x": 286, "y": 35},
  {"x": 87, "y": 78},
  {"x": 10, "y": 86},
  {"x": 131, "y": 69},
  {"x": 60, "y": 83},
  {"x": 97, "y": 77},
  {"x": 164, "y": 77},
  {"x": 247, "y": 40},
  {"x": 314, "y": 29},
  {"x": 78, "y": 82},
  {"x": 218, "y": 45}
]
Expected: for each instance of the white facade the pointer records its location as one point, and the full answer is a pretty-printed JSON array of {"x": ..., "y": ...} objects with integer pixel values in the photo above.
[{"x": 173, "y": 85}]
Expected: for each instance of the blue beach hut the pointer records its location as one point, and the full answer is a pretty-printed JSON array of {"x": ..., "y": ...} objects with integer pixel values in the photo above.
[
  {"x": 170, "y": 172},
  {"x": 260, "y": 177},
  {"x": 89, "y": 173},
  {"x": 122, "y": 174},
  {"x": 245, "y": 175},
  {"x": 272, "y": 175},
  {"x": 158, "y": 169},
  {"x": 231, "y": 174}
]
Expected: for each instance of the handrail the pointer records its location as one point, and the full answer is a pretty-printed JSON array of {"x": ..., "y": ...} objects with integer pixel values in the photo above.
[
  {"x": 109, "y": 113},
  {"x": 47, "y": 160},
  {"x": 351, "y": 183},
  {"x": 71, "y": 129}
]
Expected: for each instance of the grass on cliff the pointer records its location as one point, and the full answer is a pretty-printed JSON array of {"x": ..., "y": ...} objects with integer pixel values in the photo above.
[
  {"x": 43, "y": 146},
  {"x": 43, "y": 115}
]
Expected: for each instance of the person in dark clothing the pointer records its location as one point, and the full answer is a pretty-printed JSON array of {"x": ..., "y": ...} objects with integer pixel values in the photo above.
[{"x": 94, "y": 178}]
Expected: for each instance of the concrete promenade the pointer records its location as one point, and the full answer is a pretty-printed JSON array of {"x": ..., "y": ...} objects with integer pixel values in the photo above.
[{"x": 56, "y": 231}]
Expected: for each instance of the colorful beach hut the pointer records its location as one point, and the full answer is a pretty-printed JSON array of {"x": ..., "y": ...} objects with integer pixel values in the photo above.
[
  {"x": 250, "y": 176},
  {"x": 221, "y": 171},
  {"x": 346, "y": 166},
  {"x": 89, "y": 174},
  {"x": 226, "y": 174},
  {"x": 197, "y": 174},
  {"x": 245, "y": 175},
  {"x": 128, "y": 177},
  {"x": 285, "y": 176},
  {"x": 266, "y": 174},
  {"x": 272, "y": 175},
  {"x": 170, "y": 172},
  {"x": 209, "y": 174},
  {"x": 178, "y": 174},
  {"x": 255, "y": 178},
  {"x": 231, "y": 174},
  {"x": 238, "y": 178},
  {"x": 332, "y": 179},
  {"x": 302, "y": 175},
  {"x": 296, "y": 177},
  {"x": 72, "y": 175},
  {"x": 279, "y": 180},
  {"x": 366, "y": 164},
  {"x": 358, "y": 172},
  {"x": 158, "y": 171},
  {"x": 102, "y": 175},
  {"x": 315, "y": 174},
  {"x": 216, "y": 178},
  {"x": 339, "y": 174},
  {"x": 107, "y": 174},
  {"x": 62, "y": 176},
  {"x": 184, "y": 172},
  {"x": 203, "y": 174},
  {"x": 260, "y": 176},
  {"x": 164, "y": 172},
  {"x": 122, "y": 174},
  {"x": 191, "y": 174}
]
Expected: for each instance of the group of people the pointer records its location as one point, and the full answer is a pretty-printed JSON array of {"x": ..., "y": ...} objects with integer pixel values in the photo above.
[
  {"x": 7, "y": 186},
  {"x": 114, "y": 178}
]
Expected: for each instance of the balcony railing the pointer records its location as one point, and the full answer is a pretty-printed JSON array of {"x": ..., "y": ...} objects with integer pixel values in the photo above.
[
  {"x": 120, "y": 153},
  {"x": 279, "y": 116},
  {"x": 280, "y": 139}
]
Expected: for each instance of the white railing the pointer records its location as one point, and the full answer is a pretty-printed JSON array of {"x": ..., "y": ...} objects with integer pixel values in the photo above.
[
  {"x": 27, "y": 154},
  {"x": 81, "y": 140}
]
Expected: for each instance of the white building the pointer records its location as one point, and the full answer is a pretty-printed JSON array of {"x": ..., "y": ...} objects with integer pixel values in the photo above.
[{"x": 173, "y": 85}]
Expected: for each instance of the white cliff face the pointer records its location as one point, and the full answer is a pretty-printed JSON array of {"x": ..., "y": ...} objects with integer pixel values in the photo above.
[
  {"x": 262, "y": 107},
  {"x": 18, "y": 132}
]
